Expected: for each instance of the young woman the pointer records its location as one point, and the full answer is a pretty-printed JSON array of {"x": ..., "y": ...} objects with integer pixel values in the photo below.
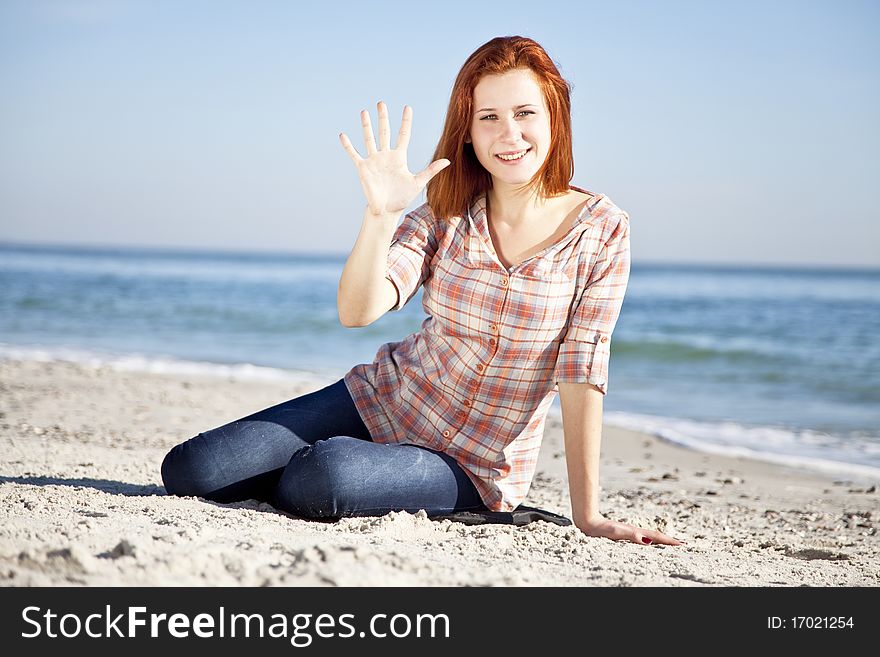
[{"x": 524, "y": 277}]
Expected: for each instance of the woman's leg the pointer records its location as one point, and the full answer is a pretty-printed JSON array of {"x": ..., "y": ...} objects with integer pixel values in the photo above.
[
  {"x": 344, "y": 476},
  {"x": 244, "y": 459}
]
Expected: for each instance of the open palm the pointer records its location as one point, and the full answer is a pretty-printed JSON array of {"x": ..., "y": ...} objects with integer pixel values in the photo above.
[{"x": 385, "y": 177}]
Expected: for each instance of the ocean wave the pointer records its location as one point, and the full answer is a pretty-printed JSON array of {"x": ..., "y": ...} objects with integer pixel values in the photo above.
[
  {"x": 133, "y": 362},
  {"x": 215, "y": 270},
  {"x": 856, "y": 456}
]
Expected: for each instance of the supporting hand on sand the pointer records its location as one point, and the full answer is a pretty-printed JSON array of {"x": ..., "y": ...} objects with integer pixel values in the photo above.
[
  {"x": 385, "y": 177},
  {"x": 621, "y": 531}
]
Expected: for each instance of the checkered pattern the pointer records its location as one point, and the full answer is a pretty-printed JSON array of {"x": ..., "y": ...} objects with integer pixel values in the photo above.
[{"x": 477, "y": 380}]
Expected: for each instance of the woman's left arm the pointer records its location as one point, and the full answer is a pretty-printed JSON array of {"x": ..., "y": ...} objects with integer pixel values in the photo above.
[{"x": 582, "y": 405}]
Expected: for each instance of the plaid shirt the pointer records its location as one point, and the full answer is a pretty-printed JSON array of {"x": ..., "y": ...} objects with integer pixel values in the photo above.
[{"x": 477, "y": 380}]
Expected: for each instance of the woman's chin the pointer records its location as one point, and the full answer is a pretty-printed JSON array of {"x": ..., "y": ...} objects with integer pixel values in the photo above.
[{"x": 513, "y": 177}]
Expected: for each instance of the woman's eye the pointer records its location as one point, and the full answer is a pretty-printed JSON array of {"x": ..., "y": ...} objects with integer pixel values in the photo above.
[{"x": 520, "y": 112}]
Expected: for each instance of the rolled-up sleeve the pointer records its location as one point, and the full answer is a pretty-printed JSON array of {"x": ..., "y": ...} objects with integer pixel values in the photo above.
[
  {"x": 412, "y": 247},
  {"x": 585, "y": 350}
]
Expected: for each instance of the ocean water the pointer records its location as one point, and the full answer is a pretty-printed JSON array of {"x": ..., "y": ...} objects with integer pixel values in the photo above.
[{"x": 779, "y": 364}]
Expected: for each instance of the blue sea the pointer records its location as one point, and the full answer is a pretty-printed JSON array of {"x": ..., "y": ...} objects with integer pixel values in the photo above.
[{"x": 777, "y": 364}]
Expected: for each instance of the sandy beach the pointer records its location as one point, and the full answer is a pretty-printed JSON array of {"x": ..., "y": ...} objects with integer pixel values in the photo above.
[{"x": 83, "y": 504}]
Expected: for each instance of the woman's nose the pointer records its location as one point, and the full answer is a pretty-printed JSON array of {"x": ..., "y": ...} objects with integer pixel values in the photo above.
[{"x": 510, "y": 129}]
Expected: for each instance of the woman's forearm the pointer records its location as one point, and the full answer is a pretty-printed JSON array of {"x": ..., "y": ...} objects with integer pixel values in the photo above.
[
  {"x": 364, "y": 294},
  {"x": 582, "y": 426}
]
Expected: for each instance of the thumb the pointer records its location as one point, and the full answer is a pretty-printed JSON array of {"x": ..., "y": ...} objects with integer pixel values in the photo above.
[{"x": 431, "y": 170}]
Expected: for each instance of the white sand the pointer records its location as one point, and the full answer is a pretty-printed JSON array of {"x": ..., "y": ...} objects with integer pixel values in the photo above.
[{"x": 83, "y": 503}]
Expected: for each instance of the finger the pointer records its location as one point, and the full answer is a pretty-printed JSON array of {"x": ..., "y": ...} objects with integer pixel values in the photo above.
[
  {"x": 369, "y": 140},
  {"x": 663, "y": 539},
  {"x": 432, "y": 170},
  {"x": 352, "y": 152},
  {"x": 405, "y": 128},
  {"x": 646, "y": 537},
  {"x": 626, "y": 532},
  {"x": 384, "y": 128}
]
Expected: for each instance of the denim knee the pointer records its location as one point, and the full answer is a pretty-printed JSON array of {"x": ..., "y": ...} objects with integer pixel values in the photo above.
[
  {"x": 320, "y": 480},
  {"x": 188, "y": 469}
]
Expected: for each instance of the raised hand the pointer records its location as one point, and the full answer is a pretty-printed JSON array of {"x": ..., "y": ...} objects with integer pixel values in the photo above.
[
  {"x": 385, "y": 177},
  {"x": 621, "y": 531}
]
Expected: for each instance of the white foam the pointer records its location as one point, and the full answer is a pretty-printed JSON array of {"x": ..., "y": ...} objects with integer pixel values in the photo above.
[
  {"x": 850, "y": 457},
  {"x": 133, "y": 362}
]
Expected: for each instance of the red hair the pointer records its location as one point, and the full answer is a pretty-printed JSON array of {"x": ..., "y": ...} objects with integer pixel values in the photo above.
[{"x": 451, "y": 191}]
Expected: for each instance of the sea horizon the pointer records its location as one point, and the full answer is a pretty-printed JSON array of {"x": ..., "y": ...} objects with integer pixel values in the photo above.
[{"x": 318, "y": 254}]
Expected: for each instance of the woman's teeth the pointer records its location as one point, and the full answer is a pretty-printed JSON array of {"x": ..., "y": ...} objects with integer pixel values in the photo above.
[{"x": 515, "y": 156}]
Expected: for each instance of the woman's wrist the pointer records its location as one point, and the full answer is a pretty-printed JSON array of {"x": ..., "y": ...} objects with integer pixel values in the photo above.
[
  {"x": 382, "y": 216},
  {"x": 588, "y": 519}
]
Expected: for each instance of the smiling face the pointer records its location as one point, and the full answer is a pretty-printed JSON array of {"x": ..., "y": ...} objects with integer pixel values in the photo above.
[{"x": 510, "y": 127}]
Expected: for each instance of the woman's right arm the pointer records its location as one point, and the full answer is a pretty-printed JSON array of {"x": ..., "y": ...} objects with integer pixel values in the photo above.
[{"x": 365, "y": 294}]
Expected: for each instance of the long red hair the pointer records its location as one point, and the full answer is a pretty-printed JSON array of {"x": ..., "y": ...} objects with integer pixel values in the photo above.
[{"x": 452, "y": 190}]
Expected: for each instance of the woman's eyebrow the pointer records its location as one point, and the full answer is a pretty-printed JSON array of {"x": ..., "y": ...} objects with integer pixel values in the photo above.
[{"x": 492, "y": 109}]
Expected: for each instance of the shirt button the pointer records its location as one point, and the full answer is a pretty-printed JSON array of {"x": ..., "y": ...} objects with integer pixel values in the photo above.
[
  {"x": 446, "y": 434},
  {"x": 504, "y": 282},
  {"x": 467, "y": 402},
  {"x": 480, "y": 367},
  {"x": 492, "y": 341},
  {"x": 604, "y": 338},
  {"x": 493, "y": 327}
]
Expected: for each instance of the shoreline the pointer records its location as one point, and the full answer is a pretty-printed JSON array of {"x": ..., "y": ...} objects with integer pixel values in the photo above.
[
  {"x": 84, "y": 505},
  {"x": 247, "y": 373}
]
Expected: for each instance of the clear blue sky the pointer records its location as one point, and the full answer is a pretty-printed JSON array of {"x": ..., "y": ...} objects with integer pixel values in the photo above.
[{"x": 737, "y": 132}]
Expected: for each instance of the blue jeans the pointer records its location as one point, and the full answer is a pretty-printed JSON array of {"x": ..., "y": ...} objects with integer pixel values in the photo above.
[{"x": 313, "y": 456}]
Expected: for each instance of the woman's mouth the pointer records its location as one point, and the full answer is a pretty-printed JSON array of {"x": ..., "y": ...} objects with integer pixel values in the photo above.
[{"x": 513, "y": 157}]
